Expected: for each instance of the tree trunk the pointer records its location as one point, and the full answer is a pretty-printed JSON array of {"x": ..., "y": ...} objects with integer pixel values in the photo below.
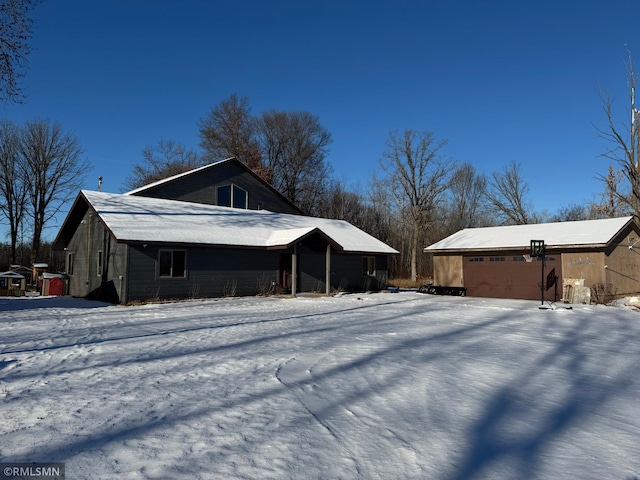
[{"x": 414, "y": 251}]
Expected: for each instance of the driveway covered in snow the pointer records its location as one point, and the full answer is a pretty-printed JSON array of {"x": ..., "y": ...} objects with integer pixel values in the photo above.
[{"x": 374, "y": 386}]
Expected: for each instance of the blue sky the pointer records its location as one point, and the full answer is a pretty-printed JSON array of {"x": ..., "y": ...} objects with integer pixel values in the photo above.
[{"x": 500, "y": 80}]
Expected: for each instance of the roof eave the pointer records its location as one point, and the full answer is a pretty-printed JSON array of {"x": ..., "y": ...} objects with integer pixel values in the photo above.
[
  {"x": 71, "y": 221},
  {"x": 589, "y": 246},
  {"x": 330, "y": 241}
]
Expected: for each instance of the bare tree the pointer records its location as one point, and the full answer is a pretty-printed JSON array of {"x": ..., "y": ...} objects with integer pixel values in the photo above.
[
  {"x": 507, "y": 193},
  {"x": 229, "y": 131},
  {"x": 615, "y": 199},
  {"x": 467, "y": 199},
  {"x": 15, "y": 33},
  {"x": 379, "y": 219},
  {"x": 13, "y": 184},
  {"x": 625, "y": 148},
  {"x": 419, "y": 176},
  {"x": 51, "y": 160},
  {"x": 573, "y": 213},
  {"x": 294, "y": 147},
  {"x": 342, "y": 204},
  {"x": 166, "y": 159},
  {"x": 286, "y": 149}
]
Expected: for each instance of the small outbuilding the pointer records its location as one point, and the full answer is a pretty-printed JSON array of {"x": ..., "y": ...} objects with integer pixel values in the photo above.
[
  {"x": 54, "y": 284},
  {"x": 12, "y": 284},
  {"x": 584, "y": 261}
]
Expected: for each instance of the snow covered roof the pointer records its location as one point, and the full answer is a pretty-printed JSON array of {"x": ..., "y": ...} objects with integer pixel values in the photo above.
[
  {"x": 561, "y": 234},
  {"x": 144, "y": 219},
  {"x": 10, "y": 274}
]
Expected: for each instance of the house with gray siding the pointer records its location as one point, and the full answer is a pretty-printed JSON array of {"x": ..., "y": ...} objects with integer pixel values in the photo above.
[
  {"x": 228, "y": 183},
  {"x": 169, "y": 241}
]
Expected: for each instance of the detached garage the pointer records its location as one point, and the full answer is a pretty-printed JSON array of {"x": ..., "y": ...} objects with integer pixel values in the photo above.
[{"x": 585, "y": 261}]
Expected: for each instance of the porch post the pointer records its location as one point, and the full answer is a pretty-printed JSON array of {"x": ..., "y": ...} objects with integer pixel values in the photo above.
[
  {"x": 294, "y": 270},
  {"x": 327, "y": 280}
]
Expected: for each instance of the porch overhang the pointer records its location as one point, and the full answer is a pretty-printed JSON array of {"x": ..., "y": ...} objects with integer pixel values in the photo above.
[{"x": 284, "y": 239}]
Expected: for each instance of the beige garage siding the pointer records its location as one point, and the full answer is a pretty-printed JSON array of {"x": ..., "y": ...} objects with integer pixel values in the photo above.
[{"x": 448, "y": 270}]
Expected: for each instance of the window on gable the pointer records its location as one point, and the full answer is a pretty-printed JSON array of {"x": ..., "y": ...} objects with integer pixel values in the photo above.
[
  {"x": 70, "y": 259},
  {"x": 232, "y": 196},
  {"x": 239, "y": 197},
  {"x": 172, "y": 263},
  {"x": 368, "y": 265},
  {"x": 224, "y": 196},
  {"x": 100, "y": 260}
]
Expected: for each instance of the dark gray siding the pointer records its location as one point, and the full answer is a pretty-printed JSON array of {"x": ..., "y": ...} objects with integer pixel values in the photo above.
[
  {"x": 90, "y": 242},
  {"x": 201, "y": 187},
  {"x": 113, "y": 282},
  {"x": 77, "y": 246},
  {"x": 312, "y": 271},
  {"x": 211, "y": 272},
  {"x": 219, "y": 272},
  {"x": 85, "y": 244},
  {"x": 347, "y": 274}
]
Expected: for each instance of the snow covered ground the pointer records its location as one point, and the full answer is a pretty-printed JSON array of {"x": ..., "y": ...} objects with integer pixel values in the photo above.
[{"x": 380, "y": 386}]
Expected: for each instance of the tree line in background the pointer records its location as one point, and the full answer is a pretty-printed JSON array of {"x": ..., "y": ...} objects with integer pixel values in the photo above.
[{"x": 418, "y": 197}]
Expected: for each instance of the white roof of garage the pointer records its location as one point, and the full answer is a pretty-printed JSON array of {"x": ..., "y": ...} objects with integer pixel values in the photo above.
[
  {"x": 560, "y": 234},
  {"x": 144, "y": 219}
]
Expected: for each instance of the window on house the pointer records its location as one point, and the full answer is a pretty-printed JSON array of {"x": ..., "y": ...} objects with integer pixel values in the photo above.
[
  {"x": 172, "y": 263},
  {"x": 224, "y": 196},
  {"x": 232, "y": 196},
  {"x": 100, "y": 263},
  {"x": 239, "y": 197},
  {"x": 368, "y": 265},
  {"x": 70, "y": 259}
]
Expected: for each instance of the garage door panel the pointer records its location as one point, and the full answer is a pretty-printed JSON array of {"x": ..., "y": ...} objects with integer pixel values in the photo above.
[{"x": 509, "y": 276}]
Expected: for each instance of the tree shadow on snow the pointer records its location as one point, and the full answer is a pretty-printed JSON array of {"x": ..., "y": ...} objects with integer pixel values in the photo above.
[
  {"x": 13, "y": 304},
  {"x": 569, "y": 384},
  {"x": 524, "y": 413}
]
